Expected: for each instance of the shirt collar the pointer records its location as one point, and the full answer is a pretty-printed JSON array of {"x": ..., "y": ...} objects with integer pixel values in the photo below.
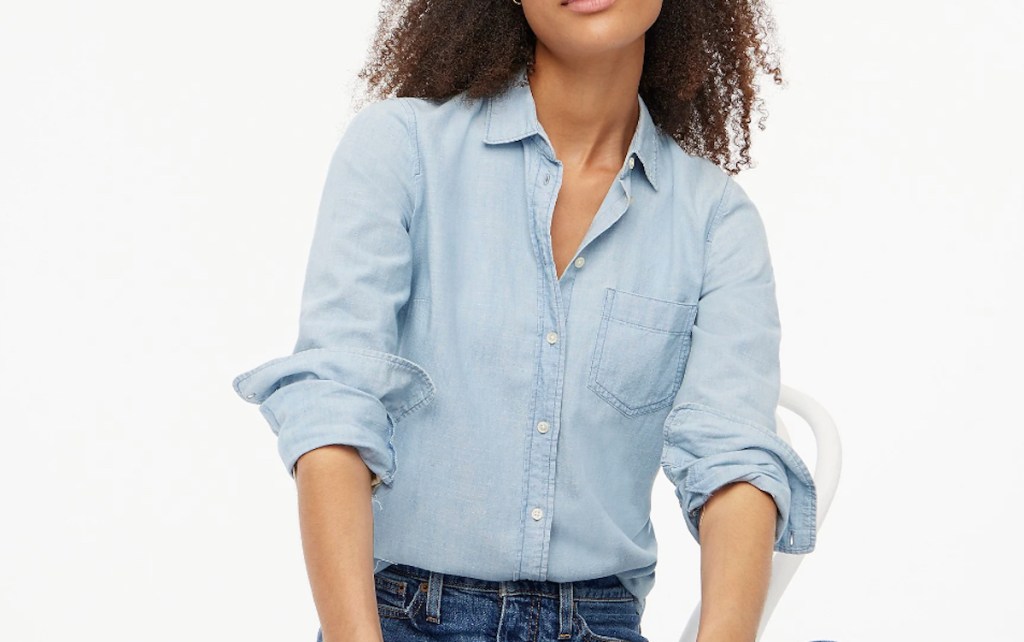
[{"x": 512, "y": 116}]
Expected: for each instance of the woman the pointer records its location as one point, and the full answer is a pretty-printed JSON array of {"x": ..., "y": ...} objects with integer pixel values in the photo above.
[{"x": 532, "y": 282}]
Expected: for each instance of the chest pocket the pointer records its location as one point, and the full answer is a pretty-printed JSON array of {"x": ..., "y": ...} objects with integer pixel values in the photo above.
[{"x": 641, "y": 351}]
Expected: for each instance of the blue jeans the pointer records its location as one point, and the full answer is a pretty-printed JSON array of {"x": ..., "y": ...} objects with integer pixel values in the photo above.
[{"x": 415, "y": 604}]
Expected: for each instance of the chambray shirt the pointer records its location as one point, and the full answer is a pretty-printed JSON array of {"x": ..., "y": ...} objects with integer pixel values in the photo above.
[{"x": 516, "y": 418}]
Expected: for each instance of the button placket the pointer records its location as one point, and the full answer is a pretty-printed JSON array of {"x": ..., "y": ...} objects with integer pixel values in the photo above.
[{"x": 541, "y": 455}]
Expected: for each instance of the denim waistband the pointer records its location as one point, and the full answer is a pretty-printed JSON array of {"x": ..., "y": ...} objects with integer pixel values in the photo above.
[{"x": 608, "y": 587}]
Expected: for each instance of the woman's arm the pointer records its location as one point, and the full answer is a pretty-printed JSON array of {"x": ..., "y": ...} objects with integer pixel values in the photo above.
[
  {"x": 722, "y": 428},
  {"x": 336, "y": 399},
  {"x": 737, "y": 530},
  {"x": 336, "y": 523}
]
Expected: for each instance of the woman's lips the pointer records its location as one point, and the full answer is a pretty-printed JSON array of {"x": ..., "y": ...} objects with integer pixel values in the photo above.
[{"x": 588, "y": 6}]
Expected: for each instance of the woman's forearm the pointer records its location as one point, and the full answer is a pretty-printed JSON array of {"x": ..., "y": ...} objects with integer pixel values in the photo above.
[
  {"x": 737, "y": 532},
  {"x": 336, "y": 523}
]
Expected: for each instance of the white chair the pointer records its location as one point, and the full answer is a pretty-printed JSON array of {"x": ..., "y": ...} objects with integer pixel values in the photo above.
[{"x": 826, "y": 479}]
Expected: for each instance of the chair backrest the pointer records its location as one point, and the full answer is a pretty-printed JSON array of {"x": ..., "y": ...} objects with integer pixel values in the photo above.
[{"x": 827, "y": 467}]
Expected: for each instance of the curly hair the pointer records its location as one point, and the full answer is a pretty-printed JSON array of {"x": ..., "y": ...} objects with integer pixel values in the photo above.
[{"x": 699, "y": 79}]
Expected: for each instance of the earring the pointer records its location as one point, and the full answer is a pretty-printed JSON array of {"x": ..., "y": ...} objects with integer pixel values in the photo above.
[{"x": 518, "y": 3}]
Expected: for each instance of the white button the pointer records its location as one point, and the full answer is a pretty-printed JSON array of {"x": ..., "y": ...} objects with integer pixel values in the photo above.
[
  {"x": 552, "y": 337},
  {"x": 579, "y": 261},
  {"x": 536, "y": 513},
  {"x": 543, "y": 426},
  {"x": 250, "y": 395},
  {"x": 631, "y": 162}
]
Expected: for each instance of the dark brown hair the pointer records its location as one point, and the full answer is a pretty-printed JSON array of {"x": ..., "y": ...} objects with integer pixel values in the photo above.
[{"x": 699, "y": 80}]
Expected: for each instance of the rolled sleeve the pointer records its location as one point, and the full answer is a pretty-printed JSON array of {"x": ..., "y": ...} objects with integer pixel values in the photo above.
[
  {"x": 337, "y": 396},
  {"x": 344, "y": 383},
  {"x": 722, "y": 426}
]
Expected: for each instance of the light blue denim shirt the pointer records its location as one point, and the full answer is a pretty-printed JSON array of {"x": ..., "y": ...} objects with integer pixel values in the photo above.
[{"x": 518, "y": 419}]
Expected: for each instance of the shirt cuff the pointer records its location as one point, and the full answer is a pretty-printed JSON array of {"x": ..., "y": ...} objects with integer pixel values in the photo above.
[
  {"x": 351, "y": 396},
  {"x": 705, "y": 450}
]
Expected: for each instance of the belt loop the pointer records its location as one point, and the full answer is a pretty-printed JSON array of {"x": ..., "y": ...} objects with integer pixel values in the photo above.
[
  {"x": 564, "y": 610},
  {"x": 434, "y": 587}
]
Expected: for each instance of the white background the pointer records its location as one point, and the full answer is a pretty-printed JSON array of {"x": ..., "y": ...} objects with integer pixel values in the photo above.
[{"x": 160, "y": 169}]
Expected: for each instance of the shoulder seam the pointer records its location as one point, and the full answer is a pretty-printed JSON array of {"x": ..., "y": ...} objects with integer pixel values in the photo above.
[
  {"x": 712, "y": 226},
  {"x": 418, "y": 168},
  {"x": 414, "y": 131}
]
